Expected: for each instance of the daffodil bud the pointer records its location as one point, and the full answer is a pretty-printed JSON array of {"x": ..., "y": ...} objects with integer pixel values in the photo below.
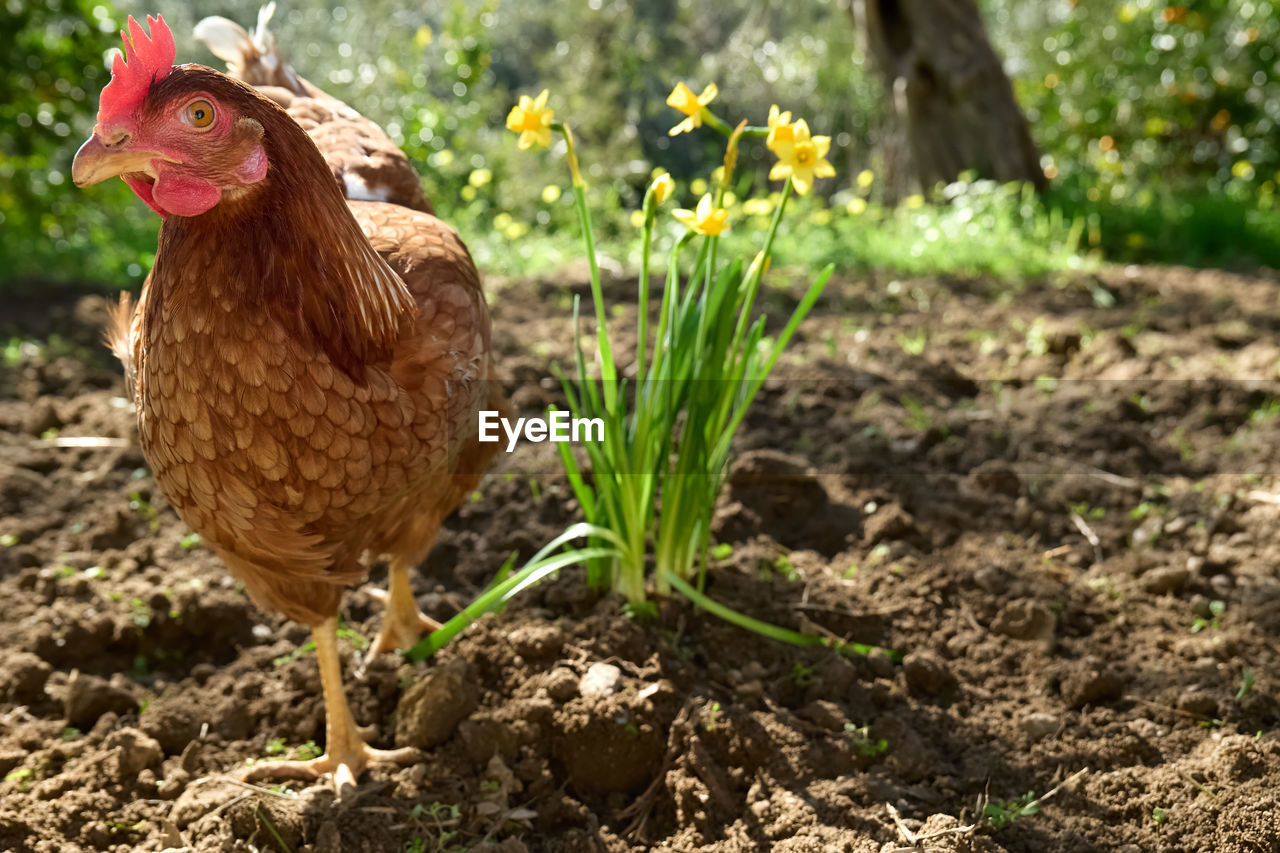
[{"x": 662, "y": 187}]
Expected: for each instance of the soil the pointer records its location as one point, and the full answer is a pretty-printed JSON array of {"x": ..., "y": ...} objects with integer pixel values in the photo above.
[{"x": 1055, "y": 499}]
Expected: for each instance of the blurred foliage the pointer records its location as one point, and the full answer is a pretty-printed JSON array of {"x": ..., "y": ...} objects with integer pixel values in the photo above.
[
  {"x": 48, "y": 94},
  {"x": 1156, "y": 122}
]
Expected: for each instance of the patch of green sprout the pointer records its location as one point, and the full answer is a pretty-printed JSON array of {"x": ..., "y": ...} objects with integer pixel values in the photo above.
[
  {"x": 722, "y": 551},
  {"x": 8, "y": 540},
  {"x": 1214, "y": 622},
  {"x": 1046, "y": 384},
  {"x": 64, "y": 572},
  {"x": 1186, "y": 450},
  {"x": 1268, "y": 411},
  {"x": 711, "y": 719},
  {"x": 1159, "y": 817},
  {"x": 1002, "y": 813},
  {"x": 801, "y": 675},
  {"x": 783, "y": 566},
  {"x": 444, "y": 819},
  {"x": 144, "y": 509},
  {"x": 1084, "y": 510},
  {"x": 23, "y": 776},
  {"x": 861, "y": 741},
  {"x": 1246, "y": 684},
  {"x": 640, "y": 611},
  {"x": 918, "y": 417},
  {"x": 71, "y": 733},
  {"x": 118, "y": 827},
  {"x": 94, "y": 572},
  {"x": 191, "y": 540},
  {"x": 915, "y": 343},
  {"x": 141, "y": 612}
]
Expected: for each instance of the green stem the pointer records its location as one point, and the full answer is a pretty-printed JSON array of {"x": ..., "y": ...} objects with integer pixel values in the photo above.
[
  {"x": 718, "y": 124},
  {"x": 608, "y": 374},
  {"x": 768, "y": 629}
]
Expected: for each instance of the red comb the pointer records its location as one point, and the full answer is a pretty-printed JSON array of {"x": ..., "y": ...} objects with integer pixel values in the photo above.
[{"x": 150, "y": 58}]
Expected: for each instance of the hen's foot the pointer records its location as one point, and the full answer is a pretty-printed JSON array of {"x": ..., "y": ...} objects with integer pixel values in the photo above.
[
  {"x": 346, "y": 765},
  {"x": 404, "y": 623},
  {"x": 402, "y": 626}
]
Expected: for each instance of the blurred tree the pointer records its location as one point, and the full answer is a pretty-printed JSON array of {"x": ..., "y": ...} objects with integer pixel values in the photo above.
[{"x": 954, "y": 105}]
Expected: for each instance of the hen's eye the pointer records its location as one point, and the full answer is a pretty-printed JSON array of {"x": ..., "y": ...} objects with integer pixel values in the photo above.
[{"x": 198, "y": 113}]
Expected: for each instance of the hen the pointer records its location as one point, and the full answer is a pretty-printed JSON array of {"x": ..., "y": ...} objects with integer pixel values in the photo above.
[{"x": 307, "y": 370}]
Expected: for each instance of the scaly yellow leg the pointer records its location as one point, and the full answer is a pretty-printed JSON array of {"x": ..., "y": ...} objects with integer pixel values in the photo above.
[
  {"x": 403, "y": 623},
  {"x": 346, "y": 754}
]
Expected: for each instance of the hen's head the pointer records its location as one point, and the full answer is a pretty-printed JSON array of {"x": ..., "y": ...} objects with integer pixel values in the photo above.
[{"x": 179, "y": 136}]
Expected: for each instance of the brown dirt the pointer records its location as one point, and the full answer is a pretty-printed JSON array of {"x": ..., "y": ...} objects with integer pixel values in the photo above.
[{"x": 1038, "y": 499}]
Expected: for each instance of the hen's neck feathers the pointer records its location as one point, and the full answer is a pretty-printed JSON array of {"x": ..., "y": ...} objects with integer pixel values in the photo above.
[{"x": 288, "y": 246}]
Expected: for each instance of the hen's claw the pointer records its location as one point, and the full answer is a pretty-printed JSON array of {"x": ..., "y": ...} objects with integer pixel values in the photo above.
[
  {"x": 403, "y": 623},
  {"x": 346, "y": 767}
]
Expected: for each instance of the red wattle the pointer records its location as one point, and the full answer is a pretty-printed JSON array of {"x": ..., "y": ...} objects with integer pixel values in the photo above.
[{"x": 182, "y": 195}]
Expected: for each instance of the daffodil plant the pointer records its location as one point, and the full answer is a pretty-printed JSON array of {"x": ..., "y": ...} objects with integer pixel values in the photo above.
[{"x": 654, "y": 479}]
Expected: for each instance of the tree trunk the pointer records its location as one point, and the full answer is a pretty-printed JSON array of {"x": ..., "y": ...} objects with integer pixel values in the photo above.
[{"x": 953, "y": 103}]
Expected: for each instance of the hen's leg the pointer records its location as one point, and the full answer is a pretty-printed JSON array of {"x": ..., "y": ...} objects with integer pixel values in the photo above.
[
  {"x": 346, "y": 754},
  {"x": 403, "y": 623}
]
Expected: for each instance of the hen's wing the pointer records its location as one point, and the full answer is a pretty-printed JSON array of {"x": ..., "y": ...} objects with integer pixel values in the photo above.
[
  {"x": 445, "y": 365},
  {"x": 367, "y": 164}
]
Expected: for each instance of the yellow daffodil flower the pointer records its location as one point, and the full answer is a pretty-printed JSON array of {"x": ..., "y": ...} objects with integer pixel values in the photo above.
[
  {"x": 707, "y": 219},
  {"x": 781, "y": 132},
  {"x": 662, "y": 187},
  {"x": 804, "y": 159},
  {"x": 532, "y": 120},
  {"x": 683, "y": 99}
]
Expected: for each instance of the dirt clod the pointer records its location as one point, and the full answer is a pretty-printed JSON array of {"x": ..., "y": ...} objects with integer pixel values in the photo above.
[
  {"x": 89, "y": 697},
  {"x": 432, "y": 708}
]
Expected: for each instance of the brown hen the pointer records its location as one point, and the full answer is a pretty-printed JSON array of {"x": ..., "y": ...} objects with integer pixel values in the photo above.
[{"x": 307, "y": 372}]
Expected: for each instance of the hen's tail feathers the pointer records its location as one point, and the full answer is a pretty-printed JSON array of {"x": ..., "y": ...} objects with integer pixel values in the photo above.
[
  {"x": 118, "y": 336},
  {"x": 255, "y": 58}
]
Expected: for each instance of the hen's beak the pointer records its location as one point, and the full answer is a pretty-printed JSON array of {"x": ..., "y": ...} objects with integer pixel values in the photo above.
[{"x": 96, "y": 161}]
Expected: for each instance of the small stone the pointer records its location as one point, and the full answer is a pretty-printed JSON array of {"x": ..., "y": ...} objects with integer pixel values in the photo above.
[
  {"x": 926, "y": 673},
  {"x": 431, "y": 709},
  {"x": 750, "y": 689},
  {"x": 1165, "y": 580},
  {"x": 601, "y": 680},
  {"x": 1038, "y": 725},
  {"x": 89, "y": 697}
]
